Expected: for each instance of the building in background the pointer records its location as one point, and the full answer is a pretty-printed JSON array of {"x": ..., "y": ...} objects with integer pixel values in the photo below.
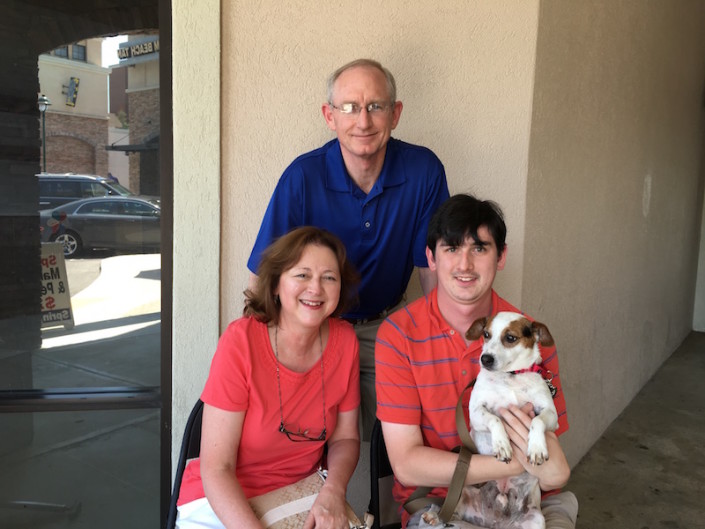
[
  {"x": 104, "y": 120},
  {"x": 76, "y": 121},
  {"x": 118, "y": 126},
  {"x": 139, "y": 57}
]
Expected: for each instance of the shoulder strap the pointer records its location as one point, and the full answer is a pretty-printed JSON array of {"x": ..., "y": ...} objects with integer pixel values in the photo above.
[
  {"x": 420, "y": 499},
  {"x": 463, "y": 432}
]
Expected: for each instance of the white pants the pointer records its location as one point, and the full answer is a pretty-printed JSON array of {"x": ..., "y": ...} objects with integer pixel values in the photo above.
[
  {"x": 197, "y": 514},
  {"x": 560, "y": 511}
]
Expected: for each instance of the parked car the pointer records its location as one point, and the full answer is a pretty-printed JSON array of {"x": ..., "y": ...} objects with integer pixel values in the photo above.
[
  {"x": 121, "y": 223},
  {"x": 57, "y": 189}
]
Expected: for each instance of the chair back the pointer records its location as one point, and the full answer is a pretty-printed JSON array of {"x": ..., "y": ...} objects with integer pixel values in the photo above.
[
  {"x": 382, "y": 505},
  {"x": 190, "y": 448}
]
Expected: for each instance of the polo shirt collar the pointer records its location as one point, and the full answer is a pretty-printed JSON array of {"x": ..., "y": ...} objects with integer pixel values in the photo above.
[
  {"x": 337, "y": 178},
  {"x": 441, "y": 323}
]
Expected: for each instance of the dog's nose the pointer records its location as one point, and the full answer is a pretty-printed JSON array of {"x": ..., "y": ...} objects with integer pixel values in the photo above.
[{"x": 487, "y": 360}]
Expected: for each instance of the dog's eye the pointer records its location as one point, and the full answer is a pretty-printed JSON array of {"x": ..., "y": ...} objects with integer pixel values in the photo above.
[
  {"x": 510, "y": 338},
  {"x": 486, "y": 335}
]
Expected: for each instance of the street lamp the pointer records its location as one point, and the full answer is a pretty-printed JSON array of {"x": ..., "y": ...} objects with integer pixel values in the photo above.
[{"x": 43, "y": 102}]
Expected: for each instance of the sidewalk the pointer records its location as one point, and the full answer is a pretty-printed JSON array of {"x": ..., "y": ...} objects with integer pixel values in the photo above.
[{"x": 127, "y": 286}]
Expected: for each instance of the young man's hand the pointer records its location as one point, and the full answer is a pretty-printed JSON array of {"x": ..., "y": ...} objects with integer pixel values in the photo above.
[{"x": 552, "y": 474}]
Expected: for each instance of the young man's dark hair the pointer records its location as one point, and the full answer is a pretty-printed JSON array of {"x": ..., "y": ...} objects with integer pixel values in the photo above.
[{"x": 461, "y": 216}]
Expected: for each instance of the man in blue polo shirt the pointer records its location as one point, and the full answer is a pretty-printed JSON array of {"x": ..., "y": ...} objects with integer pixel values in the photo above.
[{"x": 374, "y": 192}]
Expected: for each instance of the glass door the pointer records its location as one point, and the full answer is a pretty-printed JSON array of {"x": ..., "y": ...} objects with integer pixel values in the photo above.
[{"x": 81, "y": 353}]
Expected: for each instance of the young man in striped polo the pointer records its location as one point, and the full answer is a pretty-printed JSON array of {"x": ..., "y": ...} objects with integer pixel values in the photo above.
[{"x": 424, "y": 362}]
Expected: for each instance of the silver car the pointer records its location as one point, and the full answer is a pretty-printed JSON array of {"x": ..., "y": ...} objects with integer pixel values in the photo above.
[{"x": 120, "y": 223}]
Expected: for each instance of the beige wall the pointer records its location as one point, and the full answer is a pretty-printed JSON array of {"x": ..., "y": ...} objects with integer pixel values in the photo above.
[
  {"x": 94, "y": 50},
  {"x": 595, "y": 166},
  {"x": 614, "y": 196},
  {"x": 196, "y": 232},
  {"x": 464, "y": 73},
  {"x": 143, "y": 76},
  {"x": 92, "y": 100}
]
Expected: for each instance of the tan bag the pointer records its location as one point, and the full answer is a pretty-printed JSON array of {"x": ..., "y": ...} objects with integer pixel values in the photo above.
[{"x": 288, "y": 507}]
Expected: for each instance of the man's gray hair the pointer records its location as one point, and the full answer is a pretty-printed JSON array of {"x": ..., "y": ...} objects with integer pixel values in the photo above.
[{"x": 391, "y": 83}]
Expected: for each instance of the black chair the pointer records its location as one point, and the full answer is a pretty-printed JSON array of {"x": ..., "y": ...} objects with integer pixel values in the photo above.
[
  {"x": 190, "y": 448},
  {"x": 382, "y": 505}
]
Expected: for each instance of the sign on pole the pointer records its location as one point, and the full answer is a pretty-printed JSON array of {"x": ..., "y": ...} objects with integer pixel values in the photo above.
[{"x": 56, "y": 299}]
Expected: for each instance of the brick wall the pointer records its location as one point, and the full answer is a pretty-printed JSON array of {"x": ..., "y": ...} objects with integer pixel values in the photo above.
[
  {"x": 76, "y": 144},
  {"x": 144, "y": 126}
]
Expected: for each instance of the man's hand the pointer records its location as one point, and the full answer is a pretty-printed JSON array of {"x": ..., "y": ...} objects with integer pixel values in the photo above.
[
  {"x": 554, "y": 473},
  {"x": 517, "y": 422}
]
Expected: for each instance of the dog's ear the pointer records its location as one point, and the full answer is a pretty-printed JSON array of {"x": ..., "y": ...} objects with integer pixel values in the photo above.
[
  {"x": 475, "y": 330},
  {"x": 541, "y": 333}
]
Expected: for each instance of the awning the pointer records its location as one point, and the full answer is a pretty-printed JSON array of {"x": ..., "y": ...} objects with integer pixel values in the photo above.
[{"x": 139, "y": 147}]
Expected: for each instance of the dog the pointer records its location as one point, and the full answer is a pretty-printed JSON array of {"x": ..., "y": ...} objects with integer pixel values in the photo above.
[{"x": 510, "y": 374}]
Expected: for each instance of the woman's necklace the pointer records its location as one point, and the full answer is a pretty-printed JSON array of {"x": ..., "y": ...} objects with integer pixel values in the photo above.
[{"x": 299, "y": 435}]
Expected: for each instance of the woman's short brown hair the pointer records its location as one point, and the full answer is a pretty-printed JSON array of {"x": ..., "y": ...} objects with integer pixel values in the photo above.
[{"x": 282, "y": 255}]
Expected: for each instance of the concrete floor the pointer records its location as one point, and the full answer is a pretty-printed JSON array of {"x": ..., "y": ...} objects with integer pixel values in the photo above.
[{"x": 647, "y": 471}]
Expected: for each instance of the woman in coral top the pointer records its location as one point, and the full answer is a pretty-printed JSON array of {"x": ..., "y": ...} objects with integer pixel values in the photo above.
[{"x": 284, "y": 382}]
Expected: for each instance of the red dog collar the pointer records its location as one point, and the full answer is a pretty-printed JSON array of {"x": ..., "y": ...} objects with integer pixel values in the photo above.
[{"x": 536, "y": 368}]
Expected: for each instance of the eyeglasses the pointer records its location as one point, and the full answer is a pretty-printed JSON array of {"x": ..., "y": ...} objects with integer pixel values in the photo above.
[
  {"x": 300, "y": 435},
  {"x": 353, "y": 109}
]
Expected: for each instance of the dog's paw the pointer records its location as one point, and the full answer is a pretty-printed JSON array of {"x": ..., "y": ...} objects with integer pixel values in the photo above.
[
  {"x": 537, "y": 451},
  {"x": 431, "y": 518},
  {"x": 502, "y": 449},
  {"x": 537, "y": 459}
]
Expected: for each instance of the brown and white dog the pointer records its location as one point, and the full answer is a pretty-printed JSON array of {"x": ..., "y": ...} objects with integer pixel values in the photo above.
[{"x": 510, "y": 374}]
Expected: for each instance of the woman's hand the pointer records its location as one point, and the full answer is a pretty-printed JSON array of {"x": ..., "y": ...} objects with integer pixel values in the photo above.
[{"x": 328, "y": 511}]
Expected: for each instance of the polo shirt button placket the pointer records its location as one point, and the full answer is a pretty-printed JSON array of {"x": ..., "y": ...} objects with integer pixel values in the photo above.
[{"x": 466, "y": 371}]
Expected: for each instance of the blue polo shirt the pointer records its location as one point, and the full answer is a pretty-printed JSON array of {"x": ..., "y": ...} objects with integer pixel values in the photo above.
[{"x": 384, "y": 231}]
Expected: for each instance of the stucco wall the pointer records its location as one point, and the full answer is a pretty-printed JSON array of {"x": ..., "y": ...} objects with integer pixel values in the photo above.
[
  {"x": 196, "y": 130},
  {"x": 464, "y": 72},
  {"x": 603, "y": 209},
  {"x": 614, "y": 195}
]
